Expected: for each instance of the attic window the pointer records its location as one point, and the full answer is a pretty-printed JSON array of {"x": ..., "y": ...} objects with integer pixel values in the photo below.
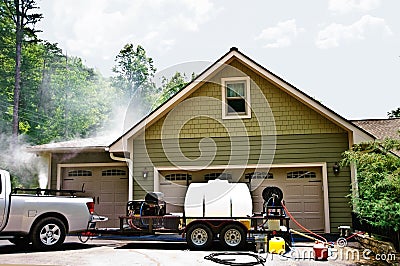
[{"x": 236, "y": 98}]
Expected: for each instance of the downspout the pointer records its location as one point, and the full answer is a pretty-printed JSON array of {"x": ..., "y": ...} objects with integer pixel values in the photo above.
[
  {"x": 353, "y": 173},
  {"x": 130, "y": 172}
]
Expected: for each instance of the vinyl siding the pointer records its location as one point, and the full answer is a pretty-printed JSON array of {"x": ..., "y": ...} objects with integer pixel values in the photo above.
[{"x": 289, "y": 149}]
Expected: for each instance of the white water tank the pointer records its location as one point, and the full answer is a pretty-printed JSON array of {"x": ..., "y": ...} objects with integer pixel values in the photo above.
[{"x": 218, "y": 198}]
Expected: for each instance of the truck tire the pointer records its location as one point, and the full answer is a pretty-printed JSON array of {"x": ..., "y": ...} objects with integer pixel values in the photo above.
[
  {"x": 48, "y": 234},
  {"x": 199, "y": 237},
  {"x": 232, "y": 237}
]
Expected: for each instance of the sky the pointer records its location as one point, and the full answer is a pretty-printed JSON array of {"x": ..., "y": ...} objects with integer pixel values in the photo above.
[{"x": 343, "y": 53}]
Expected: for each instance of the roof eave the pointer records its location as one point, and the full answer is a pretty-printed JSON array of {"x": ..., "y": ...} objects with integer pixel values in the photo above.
[{"x": 66, "y": 149}]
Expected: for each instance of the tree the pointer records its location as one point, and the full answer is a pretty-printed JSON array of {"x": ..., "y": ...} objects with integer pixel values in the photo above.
[
  {"x": 169, "y": 87},
  {"x": 77, "y": 100},
  {"x": 378, "y": 174},
  {"x": 134, "y": 72},
  {"x": 394, "y": 113},
  {"x": 20, "y": 11},
  {"x": 7, "y": 66}
]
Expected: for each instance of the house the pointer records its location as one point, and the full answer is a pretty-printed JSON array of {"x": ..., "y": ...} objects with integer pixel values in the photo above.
[{"x": 235, "y": 121}]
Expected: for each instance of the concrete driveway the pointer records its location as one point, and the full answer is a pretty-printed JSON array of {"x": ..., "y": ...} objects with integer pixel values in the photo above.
[{"x": 134, "y": 252}]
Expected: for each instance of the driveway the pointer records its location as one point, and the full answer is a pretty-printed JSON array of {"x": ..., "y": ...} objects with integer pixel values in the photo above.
[{"x": 134, "y": 252}]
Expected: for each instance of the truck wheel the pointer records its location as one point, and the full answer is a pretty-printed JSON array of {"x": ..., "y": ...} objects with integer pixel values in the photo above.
[
  {"x": 232, "y": 236},
  {"x": 48, "y": 234},
  {"x": 199, "y": 236},
  {"x": 20, "y": 241}
]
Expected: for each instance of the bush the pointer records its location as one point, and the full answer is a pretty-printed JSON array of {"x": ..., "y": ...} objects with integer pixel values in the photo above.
[{"x": 378, "y": 172}]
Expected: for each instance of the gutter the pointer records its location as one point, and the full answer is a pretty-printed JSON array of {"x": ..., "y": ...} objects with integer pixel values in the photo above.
[{"x": 130, "y": 171}]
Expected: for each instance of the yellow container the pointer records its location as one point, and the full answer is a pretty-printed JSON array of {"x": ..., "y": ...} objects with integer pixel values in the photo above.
[{"x": 276, "y": 245}]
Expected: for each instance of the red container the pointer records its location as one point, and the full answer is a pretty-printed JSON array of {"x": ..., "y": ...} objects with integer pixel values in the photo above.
[{"x": 320, "y": 251}]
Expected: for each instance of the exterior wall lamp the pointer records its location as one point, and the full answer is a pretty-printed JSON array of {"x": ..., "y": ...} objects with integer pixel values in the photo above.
[
  {"x": 145, "y": 173},
  {"x": 336, "y": 168}
]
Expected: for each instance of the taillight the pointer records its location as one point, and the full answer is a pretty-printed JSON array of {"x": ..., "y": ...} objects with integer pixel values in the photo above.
[{"x": 90, "y": 206}]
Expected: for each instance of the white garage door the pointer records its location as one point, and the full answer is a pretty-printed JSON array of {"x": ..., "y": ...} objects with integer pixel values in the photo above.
[
  {"x": 174, "y": 186},
  {"x": 302, "y": 192},
  {"x": 108, "y": 186}
]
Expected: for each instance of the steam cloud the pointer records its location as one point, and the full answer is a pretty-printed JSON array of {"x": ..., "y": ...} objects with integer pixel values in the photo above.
[{"x": 24, "y": 166}]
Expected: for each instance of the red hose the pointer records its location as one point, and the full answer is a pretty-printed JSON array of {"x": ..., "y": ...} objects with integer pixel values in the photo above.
[{"x": 302, "y": 227}]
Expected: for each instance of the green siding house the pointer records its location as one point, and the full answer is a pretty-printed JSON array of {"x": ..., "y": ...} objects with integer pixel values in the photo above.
[
  {"x": 238, "y": 121},
  {"x": 235, "y": 121}
]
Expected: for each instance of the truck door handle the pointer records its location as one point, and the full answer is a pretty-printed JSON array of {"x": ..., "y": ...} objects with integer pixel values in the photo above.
[{"x": 98, "y": 200}]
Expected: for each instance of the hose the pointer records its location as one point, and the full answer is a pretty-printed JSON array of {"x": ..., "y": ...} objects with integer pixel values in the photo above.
[
  {"x": 302, "y": 227},
  {"x": 213, "y": 257}
]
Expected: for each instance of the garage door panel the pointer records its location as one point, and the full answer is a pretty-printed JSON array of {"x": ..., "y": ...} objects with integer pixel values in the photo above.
[
  {"x": 174, "y": 195},
  {"x": 107, "y": 197},
  {"x": 292, "y": 190},
  {"x": 109, "y": 191},
  {"x": 121, "y": 186},
  {"x": 119, "y": 197},
  {"x": 294, "y": 206},
  {"x": 107, "y": 186},
  {"x": 312, "y": 207},
  {"x": 175, "y": 200},
  {"x": 314, "y": 223},
  {"x": 312, "y": 190}
]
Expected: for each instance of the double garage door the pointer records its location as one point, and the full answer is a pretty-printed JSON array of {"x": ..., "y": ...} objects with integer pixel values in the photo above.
[
  {"x": 108, "y": 186},
  {"x": 302, "y": 189},
  {"x": 302, "y": 193}
]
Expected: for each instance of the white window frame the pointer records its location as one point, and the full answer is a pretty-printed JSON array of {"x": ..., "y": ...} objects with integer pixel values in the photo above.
[{"x": 225, "y": 114}]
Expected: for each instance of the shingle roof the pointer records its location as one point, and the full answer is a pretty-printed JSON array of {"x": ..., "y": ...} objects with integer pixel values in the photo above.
[
  {"x": 381, "y": 128},
  {"x": 96, "y": 143}
]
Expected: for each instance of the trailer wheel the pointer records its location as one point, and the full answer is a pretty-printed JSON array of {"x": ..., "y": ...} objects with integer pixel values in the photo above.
[
  {"x": 48, "y": 234},
  {"x": 199, "y": 236},
  {"x": 232, "y": 236}
]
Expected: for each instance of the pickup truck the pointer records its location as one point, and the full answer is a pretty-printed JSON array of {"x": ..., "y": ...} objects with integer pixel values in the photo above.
[{"x": 42, "y": 219}]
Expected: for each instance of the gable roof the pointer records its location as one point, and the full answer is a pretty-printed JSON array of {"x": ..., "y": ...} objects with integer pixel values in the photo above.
[
  {"x": 381, "y": 128},
  {"x": 358, "y": 134}
]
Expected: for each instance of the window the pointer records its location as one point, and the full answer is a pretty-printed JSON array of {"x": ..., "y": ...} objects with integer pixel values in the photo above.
[
  {"x": 236, "y": 98},
  {"x": 113, "y": 172},
  {"x": 259, "y": 175},
  {"x": 178, "y": 177},
  {"x": 221, "y": 176},
  {"x": 301, "y": 174},
  {"x": 80, "y": 173}
]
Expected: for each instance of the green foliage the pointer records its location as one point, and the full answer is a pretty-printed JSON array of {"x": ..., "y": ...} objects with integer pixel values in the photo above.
[
  {"x": 394, "y": 113},
  {"x": 59, "y": 97},
  {"x": 378, "y": 173},
  {"x": 134, "y": 72},
  {"x": 169, "y": 88}
]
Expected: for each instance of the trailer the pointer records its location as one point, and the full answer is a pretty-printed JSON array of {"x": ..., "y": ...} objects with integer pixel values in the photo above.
[{"x": 213, "y": 211}]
